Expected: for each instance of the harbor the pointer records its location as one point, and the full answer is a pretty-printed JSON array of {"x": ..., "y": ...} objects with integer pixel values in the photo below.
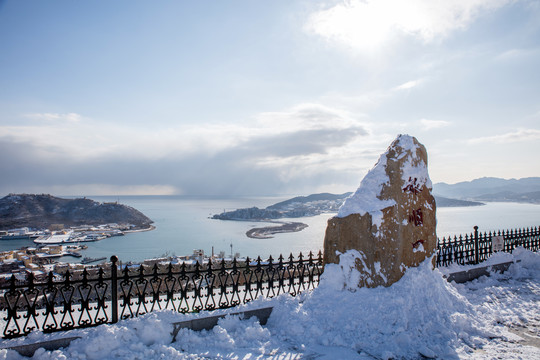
[
  {"x": 52, "y": 248},
  {"x": 79, "y": 235},
  {"x": 20, "y": 234},
  {"x": 57, "y": 234}
]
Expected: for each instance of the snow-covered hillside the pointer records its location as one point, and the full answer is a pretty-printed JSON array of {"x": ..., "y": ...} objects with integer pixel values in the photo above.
[{"x": 421, "y": 316}]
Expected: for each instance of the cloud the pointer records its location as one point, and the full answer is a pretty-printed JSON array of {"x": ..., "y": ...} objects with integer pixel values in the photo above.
[
  {"x": 433, "y": 124},
  {"x": 99, "y": 189},
  {"x": 312, "y": 127},
  {"x": 307, "y": 116},
  {"x": 408, "y": 85},
  {"x": 366, "y": 25},
  {"x": 517, "y": 54},
  {"x": 536, "y": 115},
  {"x": 261, "y": 156},
  {"x": 517, "y": 136},
  {"x": 69, "y": 117},
  {"x": 301, "y": 142}
]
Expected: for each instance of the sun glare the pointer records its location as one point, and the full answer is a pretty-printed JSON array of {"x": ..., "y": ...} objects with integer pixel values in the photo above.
[
  {"x": 367, "y": 25},
  {"x": 363, "y": 26}
]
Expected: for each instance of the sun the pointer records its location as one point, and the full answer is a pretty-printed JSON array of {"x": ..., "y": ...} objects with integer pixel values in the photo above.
[{"x": 364, "y": 26}]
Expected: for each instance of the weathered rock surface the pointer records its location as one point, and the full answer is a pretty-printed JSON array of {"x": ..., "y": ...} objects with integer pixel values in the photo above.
[{"x": 390, "y": 220}]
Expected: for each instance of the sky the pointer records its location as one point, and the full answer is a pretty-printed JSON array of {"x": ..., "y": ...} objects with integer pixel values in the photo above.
[{"x": 253, "y": 98}]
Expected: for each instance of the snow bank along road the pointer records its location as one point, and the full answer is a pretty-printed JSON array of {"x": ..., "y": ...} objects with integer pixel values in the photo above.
[{"x": 421, "y": 316}]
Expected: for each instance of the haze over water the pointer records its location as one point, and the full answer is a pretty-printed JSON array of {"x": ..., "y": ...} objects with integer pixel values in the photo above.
[{"x": 183, "y": 224}]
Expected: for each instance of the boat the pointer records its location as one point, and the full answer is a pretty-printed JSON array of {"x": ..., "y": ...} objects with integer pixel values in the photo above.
[
  {"x": 19, "y": 237},
  {"x": 88, "y": 260},
  {"x": 69, "y": 237},
  {"x": 93, "y": 237},
  {"x": 57, "y": 238},
  {"x": 18, "y": 234},
  {"x": 72, "y": 253}
]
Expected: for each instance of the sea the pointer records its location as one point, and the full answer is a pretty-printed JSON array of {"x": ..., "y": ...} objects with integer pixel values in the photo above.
[{"x": 184, "y": 223}]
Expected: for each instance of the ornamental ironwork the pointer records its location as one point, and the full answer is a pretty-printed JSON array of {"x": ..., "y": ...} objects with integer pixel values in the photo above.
[
  {"x": 91, "y": 297},
  {"x": 107, "y": 294},
  {"x": 477, "y": 247}
]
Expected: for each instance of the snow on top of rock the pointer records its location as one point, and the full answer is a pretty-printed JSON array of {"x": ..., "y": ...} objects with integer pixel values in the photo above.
[
  {"x": 414, "y": 168},
  {"x": 367, "y": 199}
]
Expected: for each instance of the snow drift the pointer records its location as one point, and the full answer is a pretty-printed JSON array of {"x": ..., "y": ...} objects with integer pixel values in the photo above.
[{"x": 420, "y": 316}]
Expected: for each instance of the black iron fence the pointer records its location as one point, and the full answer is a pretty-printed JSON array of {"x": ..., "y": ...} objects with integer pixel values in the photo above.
[
  {"x": 477, "y": 247},
  {"x": 97, "y": 296}
]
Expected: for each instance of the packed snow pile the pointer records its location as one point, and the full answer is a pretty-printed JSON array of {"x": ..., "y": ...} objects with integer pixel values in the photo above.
[{"x": 420, "y": 316}]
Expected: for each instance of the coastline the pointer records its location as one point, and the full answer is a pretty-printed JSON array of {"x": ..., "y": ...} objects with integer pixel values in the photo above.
[
  {"x": 267, "y": 231},
  {"x": 149, "y": 228}
]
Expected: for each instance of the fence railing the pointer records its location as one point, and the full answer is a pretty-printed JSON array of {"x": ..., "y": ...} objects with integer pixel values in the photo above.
[
  {"x": 104, "y": 295},
  {"x": 477, "y": 247},
  {"x": 95, "y": 296}
]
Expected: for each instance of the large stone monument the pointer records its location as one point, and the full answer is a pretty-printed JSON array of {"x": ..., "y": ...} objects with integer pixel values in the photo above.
[{"x": 390, "y": 220}]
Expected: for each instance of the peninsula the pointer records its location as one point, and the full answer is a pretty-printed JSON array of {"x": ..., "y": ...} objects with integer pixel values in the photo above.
[
  {"x": 296, "y": 207},
  {"x": 43, "y": 211},
  {"x": 302, "y": 206}
]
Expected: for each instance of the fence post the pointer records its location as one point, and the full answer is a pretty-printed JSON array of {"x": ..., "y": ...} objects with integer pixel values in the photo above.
[
  {"x": 114, "y": 289},
  {"x": 476, "y": 248}
]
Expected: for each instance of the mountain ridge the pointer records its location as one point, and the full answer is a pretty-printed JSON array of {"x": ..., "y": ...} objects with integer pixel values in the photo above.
[
  {"x": 491, "y": 188},
  {"x": 41, "y": 211},
  {"x": 311, "y": 205}
]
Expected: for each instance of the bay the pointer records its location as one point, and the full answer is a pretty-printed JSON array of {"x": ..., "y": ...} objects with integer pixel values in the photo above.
[{"x": 183, "y": 224}]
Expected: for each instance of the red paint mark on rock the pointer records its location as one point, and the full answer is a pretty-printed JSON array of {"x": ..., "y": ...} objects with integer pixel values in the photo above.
[
  {"x": 416, "y": 244},
  {"x": 416, "y": 217},
  {"x": 413, "y": 186}
]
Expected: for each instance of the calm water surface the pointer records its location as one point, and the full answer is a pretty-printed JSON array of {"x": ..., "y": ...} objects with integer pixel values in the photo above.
[{"x": 183, "y": 224}]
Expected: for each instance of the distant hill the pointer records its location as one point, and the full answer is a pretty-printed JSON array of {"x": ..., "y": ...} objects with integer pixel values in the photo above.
[
  {"x": 310, "y": 199},
  {"x": 40, "y": 211},
  {"x": 441, "y": 201},
  {"x": 492, "y": 189},
  {"x": 529, "y": 197},
  {"x": 296, "y": 207},
  {"x": 312, "y": 205}
]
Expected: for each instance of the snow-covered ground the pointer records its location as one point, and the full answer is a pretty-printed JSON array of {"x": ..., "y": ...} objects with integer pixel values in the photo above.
[{"x": 420, "y": 316}]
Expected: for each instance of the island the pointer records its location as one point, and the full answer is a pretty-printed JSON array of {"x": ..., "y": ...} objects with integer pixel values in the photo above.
[
  {"x": 303, "y": 206},
  {"x": 265, "y": 232}
]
